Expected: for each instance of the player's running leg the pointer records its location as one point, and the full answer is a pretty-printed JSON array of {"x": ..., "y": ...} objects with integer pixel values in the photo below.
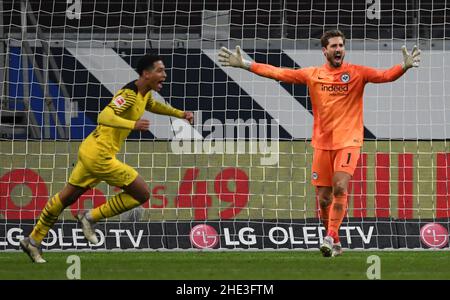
[
  {"x": 33, "y": 251},
  {"x": 115, "y": 173},
  {"x": 87, "y": 225},
  {"x": 134, "y": 195},
  {"x": 49, "y": 215}
]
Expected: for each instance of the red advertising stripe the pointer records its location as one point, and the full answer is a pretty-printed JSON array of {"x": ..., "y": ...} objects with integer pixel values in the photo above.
[
  {"x": 442, "y": 185},
  {"x": 405, "y": 186},
  {"x": 382, "y": 185},
  {"x": 358, "y": 188}
]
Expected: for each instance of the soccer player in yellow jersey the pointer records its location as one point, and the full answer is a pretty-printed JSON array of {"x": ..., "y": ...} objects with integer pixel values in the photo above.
[
  {"x": 97, "y": 157},
  {"x": 336, "y": 89}
]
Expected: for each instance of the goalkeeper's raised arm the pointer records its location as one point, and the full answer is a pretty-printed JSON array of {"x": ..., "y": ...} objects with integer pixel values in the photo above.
[
  {"x": 373, "y": 75},
  {"x": 228, "y": 58}
]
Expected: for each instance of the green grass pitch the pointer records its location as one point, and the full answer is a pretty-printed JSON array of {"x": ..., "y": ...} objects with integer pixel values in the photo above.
[{"x": 240, "y": 265}]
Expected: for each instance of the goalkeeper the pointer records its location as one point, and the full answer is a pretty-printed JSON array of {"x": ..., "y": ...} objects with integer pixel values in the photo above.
[
  {"x": 336, "y": 90},
  {"x": 97, "y": 157}
]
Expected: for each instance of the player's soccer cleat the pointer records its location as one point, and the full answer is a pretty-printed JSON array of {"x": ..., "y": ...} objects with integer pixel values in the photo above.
[
  {"x": 327, "y": 246},
  {"x": 32, "y": 251},
  {"x": 88, "y": 228},
  {"x": 337, "y": 249}
]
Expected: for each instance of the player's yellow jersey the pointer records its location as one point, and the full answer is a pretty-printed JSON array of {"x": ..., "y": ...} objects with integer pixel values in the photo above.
[{"x": 129, "y": 105}]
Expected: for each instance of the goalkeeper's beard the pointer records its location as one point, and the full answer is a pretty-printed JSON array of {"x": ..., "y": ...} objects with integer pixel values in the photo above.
[{"x": 332, "y": 61}]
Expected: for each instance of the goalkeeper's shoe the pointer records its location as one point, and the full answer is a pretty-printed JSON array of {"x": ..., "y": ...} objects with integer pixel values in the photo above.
[
  {"x": 88, "y": 228},
  {"x": 32, "y": 251},
  {"x": 337, "y": 249},
  {"x": 327, "y": 246}
]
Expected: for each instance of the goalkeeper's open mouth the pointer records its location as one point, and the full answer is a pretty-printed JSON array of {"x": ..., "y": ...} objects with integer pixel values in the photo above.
[{"x": 338, "y": 58}]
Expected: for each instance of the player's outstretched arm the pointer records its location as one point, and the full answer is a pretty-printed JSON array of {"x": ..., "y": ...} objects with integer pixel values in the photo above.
[
  {"x": 108, "y": 118},
  {"x": 166, "y": 109},
  {"x": 230, "y": 59},
  {"x": 142, "y": 125},
  {"x": 235, "y": 59},
  {"x": 381, "y": 76},
  {"x": 410, "y": 60}
]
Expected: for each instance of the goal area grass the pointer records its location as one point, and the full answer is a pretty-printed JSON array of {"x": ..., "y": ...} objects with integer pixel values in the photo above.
[{"x": 229, "y": 265}]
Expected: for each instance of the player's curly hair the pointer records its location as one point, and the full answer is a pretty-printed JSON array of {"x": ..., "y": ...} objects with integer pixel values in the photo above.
[
  {"x": 146, "y": 63},
  {"x": 330, "y": 34}
]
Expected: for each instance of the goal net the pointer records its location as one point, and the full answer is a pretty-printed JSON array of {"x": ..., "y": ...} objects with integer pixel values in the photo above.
[{"x": 240, "y": 177}]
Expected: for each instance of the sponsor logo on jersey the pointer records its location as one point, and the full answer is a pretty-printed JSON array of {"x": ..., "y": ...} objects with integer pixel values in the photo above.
[
  {"x": 334, "y": 88},
  {"x": 119, "y": 101},
  {"x": 315, "y": 176}
]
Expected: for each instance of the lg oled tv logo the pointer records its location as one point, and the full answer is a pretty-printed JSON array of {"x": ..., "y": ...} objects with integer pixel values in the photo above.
[
  {"x": 204, "y": 236},
  {"x": 434, "y": 235}
]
